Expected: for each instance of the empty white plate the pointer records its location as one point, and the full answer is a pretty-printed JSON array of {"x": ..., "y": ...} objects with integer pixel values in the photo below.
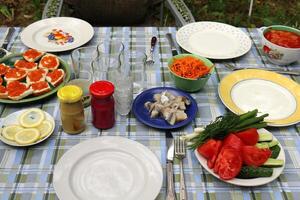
[
  {"x": 213, "y": 40},
  {"x": 108, "y": 168},
  {"x": 269, "y": 92}
]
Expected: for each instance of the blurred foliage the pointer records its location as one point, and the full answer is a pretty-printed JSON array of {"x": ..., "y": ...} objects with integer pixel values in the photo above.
[
  {"x": 20, "y": 12},
  {"x": 235, "y": 12}
]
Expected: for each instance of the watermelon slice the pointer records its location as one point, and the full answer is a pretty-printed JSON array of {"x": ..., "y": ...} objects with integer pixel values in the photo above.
[
  {"x": 25, "y": 65},
  {"x": 14, "y": 74},
  {"x": 3, "y": 69},
  {"x": 18, "y": 90},
  {"x": 36, "y": 76},
  {"x": 49, "y": 61},
  {"x": 32, "y": 55},
  {"x": 3, "y": 92},
  {"x": 55, "y": 77},
  {"x": 40, "y": 88}
]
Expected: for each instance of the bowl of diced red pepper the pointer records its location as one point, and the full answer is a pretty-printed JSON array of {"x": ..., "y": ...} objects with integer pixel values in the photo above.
[{"x": 281, "y": 44}]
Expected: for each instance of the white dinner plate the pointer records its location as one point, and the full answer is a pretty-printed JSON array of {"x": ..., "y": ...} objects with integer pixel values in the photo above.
[
  {"x": 12, "y": 119},
  {"x": 269, "y": 92},
  {"x": 108, "y": 168},
  {"x": 248, "y": 182},
  {"x": 35, "y": 35},
  {"x": 213, "y": 40}
]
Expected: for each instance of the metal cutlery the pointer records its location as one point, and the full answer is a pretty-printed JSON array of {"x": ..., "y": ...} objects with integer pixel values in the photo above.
[
  {"x": 170, "y": 157},
  {"x": 233, "y": 68},
  {"x": 8, "y": 36},
  {"x": 180, "y": 153},
  {"x": 172, "y": 44},
  {"x": 150, "y": 59}
]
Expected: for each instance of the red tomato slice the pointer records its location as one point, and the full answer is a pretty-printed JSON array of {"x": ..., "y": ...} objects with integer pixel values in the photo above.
[
  {"x": 228, "y": 164},
  {"x": 283, "y": 38},
  {"x": 233, "y": 141},
  {"x": 210, "y": 148},
  {"x": 249, "y": 136},
  {"x": 254, "y": 156}
]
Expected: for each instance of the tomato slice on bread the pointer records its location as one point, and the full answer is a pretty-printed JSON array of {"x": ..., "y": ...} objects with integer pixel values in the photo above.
[
  {"x": 254, "y": 156},
  {"x": 248, "y": 136}
]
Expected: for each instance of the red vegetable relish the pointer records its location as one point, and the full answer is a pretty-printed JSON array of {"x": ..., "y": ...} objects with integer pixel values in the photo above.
[
  {"x": 283, "y": 38},
  {"x": 102, "y": 104}
]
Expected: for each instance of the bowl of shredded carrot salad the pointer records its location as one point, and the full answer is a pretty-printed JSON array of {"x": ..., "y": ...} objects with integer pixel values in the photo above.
[{"x": 190, "y": 72}]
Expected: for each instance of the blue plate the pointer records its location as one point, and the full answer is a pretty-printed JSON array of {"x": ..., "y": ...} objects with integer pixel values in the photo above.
[{"x": 143, "y": 115}]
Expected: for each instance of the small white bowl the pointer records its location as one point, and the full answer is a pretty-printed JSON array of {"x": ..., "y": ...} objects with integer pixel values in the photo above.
[{"x": 277, "y": 54}]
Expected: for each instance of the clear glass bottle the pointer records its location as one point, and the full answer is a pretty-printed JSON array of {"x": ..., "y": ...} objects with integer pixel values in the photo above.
[{"x": 71, "y": 109}]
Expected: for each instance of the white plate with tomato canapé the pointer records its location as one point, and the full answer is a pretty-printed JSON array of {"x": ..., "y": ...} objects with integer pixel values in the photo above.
[
  {"x": 30, "y": 76},
  {"x": 231, "y": 160},
  {"x": 57, "y": 34}
]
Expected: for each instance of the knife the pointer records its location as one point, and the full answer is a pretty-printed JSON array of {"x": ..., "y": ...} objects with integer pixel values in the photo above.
[
  {"x": 170, "y": 157},
  {"x": 8, "y": 36},
  {"x": 171, "y": 41}
]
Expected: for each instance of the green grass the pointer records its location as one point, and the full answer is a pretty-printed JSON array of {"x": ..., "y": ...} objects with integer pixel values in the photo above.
[{"x": 235, "y": 12}]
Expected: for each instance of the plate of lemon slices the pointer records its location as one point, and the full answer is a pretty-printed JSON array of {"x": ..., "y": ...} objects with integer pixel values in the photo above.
[{"x": 26, "y": 127}]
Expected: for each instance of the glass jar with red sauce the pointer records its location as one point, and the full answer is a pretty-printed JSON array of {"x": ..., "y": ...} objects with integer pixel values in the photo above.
[{"x": 102, "y": 104}]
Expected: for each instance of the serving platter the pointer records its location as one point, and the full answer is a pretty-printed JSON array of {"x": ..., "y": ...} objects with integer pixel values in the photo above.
[
  {"x": 213, "y": 40},
  {"x": 143, "y": 115},
  {"x": 269, "y": 92},
  {"x": 252, "y": 181},
  {"x": 9, "y": 60},
  {"x": 36, "y": 34},
  {"x": 12, "y": 119},
  {"x": 110, "y": 168}
]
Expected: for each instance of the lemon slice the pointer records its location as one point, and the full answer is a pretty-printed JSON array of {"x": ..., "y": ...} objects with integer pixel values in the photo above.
[
  {"x": 10, "y": 131},
  {"x": 27, "y": 136},
  {"x": 31, "y": 118},
  {"x": 45, "y": 128}
]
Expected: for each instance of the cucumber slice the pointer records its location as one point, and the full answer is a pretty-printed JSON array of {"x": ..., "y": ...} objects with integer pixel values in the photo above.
[
  {"x": 262, "y": 145},
  {"x": 273, "y": 143},
  {"x": 265, "y": 137},
  {"x": 254, "y": 172},
  {"x": 275, "y": 151},
  {"x": 271, "y": 162}
]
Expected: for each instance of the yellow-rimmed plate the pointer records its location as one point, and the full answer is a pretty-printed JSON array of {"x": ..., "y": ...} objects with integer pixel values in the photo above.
[{"x": 266, "y": 91}]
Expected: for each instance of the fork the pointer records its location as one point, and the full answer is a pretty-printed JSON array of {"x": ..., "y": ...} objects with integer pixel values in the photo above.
[
  {"x": 150, "y": 60},
  {"x": 281, "y": 71},
  {"x": 180, "y": 153}
]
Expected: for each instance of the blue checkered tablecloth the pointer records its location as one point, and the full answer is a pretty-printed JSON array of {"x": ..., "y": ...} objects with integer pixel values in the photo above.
[{"x": 27, "y": 173}]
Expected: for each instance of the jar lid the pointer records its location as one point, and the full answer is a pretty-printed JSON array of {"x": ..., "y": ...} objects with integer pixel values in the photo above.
[
  {"x": 102, "y": 89},
  {"x": 70, "y": 94}
]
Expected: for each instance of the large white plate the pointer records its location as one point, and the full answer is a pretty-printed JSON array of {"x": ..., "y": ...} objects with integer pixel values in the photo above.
[
  {"x": 34, "y": 37},
  {"x": 12, "y": 119},
  {"x": 213, "y": 40},
  {"x": 248, "y": 182},
  {"x": 108, "y": 168},
  {"x": 269, "y": 92}
]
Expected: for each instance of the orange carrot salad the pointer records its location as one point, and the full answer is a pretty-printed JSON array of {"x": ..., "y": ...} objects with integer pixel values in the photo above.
[{"x": 189, "y": 67}]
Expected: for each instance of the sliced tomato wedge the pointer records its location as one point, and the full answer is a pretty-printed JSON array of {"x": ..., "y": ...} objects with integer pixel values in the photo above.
[
  {"x": 209, "y": 148},
  {"x": 228, "y": 164},
  {"x": 253, "y": 156},
  {"x": 249, "y": 136},
  {"x": 233, "y": 141},
  {"x": 210, "y": 151}
]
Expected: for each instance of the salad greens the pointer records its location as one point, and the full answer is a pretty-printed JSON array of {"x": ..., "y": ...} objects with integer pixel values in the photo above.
[{"x": 223, "y": 125}]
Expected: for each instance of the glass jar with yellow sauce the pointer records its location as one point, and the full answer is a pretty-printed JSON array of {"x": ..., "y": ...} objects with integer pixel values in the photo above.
[{"x": 71, "y": 109}]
